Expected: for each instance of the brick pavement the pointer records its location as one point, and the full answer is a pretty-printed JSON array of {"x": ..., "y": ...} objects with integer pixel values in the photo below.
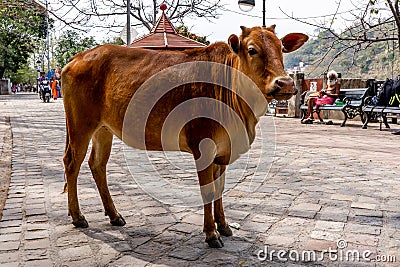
[{"x": 312, "y": 197}]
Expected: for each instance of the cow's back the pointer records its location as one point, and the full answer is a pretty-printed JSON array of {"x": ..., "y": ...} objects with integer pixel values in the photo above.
[{"x": 103, "y": 79}]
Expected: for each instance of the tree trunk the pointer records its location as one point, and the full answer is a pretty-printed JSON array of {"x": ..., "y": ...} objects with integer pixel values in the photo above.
[{"x": 2, "y": 70}]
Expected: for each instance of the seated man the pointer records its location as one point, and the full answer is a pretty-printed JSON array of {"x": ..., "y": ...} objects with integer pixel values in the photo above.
[{"x": 327, "y": 96}]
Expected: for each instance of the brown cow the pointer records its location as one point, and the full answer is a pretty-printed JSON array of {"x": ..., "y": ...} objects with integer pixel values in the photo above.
[{"x": 99, "y": 84}]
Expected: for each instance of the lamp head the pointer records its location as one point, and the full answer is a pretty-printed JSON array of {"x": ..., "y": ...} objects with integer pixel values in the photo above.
[{"x": 246, "y": 5}]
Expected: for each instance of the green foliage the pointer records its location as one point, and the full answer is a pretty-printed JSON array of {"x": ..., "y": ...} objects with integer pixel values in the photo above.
[
  {"x": 69, "y": 44},
  {"x": 115, "y": 40},
  {"x": 376, "y": 60},
  {"x": 21, "y": 25},
  {"x": 183, "y": 30},
  {"x": 24, "y": 75}
]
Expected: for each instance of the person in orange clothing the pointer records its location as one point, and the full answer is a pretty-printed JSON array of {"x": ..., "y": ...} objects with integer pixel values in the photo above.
[{"x": 53, "y": 85}]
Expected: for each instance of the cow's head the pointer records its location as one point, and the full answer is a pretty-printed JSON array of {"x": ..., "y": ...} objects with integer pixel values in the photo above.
[{"x": 260, "y": 58}]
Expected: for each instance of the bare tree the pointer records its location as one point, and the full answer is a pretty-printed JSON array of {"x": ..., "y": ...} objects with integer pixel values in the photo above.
[
  {"x": 368, "y": 23},
  {"x": 111, "y": 14}
]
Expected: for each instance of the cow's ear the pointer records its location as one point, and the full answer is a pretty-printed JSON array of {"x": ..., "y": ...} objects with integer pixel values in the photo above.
[
  {"x": 245, "y": 31},
  {"x": 234, "y": 43},
  {"x": 293, "y": 41},
  {"x": 271, "y": 28}
]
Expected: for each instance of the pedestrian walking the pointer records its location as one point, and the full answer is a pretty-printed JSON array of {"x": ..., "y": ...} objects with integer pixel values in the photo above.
[{"x": 53, "y": 85}]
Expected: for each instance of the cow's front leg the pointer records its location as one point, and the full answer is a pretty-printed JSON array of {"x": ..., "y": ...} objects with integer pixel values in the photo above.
[
  {"x": 204, "y": 155},
  {"x": 207, "y": 193},
  {"x": 219, "y": 183}
]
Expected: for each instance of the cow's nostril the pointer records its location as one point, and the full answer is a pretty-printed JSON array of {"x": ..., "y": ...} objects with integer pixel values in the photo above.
[{"x": 279, "y": 83}]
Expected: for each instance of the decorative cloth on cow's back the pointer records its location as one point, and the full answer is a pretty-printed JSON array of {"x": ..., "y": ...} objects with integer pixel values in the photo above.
[{"x": 388, "y": 94}]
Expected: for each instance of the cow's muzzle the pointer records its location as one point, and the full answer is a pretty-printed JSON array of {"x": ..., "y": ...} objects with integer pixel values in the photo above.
[{"x": 283, "y": 88}]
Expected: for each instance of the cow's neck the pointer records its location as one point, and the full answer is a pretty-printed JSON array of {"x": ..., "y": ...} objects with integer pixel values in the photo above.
[{"x": 221, "y": 53}]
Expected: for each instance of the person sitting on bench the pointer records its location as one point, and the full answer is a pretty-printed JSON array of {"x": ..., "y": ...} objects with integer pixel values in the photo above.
[{"x": 327, "y": 96}]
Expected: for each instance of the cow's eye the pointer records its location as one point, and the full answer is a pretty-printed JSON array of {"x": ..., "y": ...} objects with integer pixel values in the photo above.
[{"x": 252, "y": 51}]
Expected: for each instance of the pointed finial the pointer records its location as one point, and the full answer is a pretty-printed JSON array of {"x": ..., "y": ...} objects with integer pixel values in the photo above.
[{"x": 163, "y": 7}]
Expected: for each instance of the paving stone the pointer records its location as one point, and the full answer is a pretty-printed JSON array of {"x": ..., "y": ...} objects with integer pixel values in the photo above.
[
  {"x": 265, "y": 218},
  {"x": 154, "y": 211},
  {"x": 194, "y": 219},
  {"x": 325, "y": 235},
  {"x": 187, "y": 253},
  {"x": 12, "y": 223},
  {"x": 39, "y": 263},
  {"x": 11, "y": 264},
  {"x": 37, "y": 244},
  {"x": 368, "y": 213},
  {"x": 75, "y": 253},
  {"x": 151, "y": 248},
  {"x": 329, "y": 226},
  {"x": 10, "y": 230},
  {"x": 106, "y": 254},
  {"x": 235, "y": 215},
  {"x": 170, "y": 238},
  {"x": 362, "y": 239},
  {"x": 80, "y": 262},
  {"x": 9, "y": 258},
  {"x": 256, "y": 226},
  {"x": 363, "y": 229},
  {"x": 374, "y": 221},
  {"x": 36, "y": 254},
  {"x": 184, "y": 228},
  {"x": 362, "y": 205},
  {"x": 38, "y": 234},
  {"x": 319, "y": 245},
  {"x": 128, "y": 260},
  {"x": 10, "y": 237},
  {"x": 281, "y": 241}
]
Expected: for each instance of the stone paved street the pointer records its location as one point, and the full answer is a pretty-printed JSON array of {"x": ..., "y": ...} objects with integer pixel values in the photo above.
[{"x": 326, "y": 183}]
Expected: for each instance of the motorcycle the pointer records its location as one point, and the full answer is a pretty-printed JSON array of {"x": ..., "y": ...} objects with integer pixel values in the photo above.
[{"x": 45, "y": 92}]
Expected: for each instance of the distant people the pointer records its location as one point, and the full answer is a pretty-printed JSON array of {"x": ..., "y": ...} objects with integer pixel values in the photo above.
[
  {"x": 325, "y": 97},
  {"x": 53, "y": 85},
  {"x": 57, "y": 73},
  {"x": 42, "y": 81}
]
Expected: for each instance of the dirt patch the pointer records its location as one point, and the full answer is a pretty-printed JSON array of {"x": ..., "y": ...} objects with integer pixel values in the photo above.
[{"x": 5, "y": 160}]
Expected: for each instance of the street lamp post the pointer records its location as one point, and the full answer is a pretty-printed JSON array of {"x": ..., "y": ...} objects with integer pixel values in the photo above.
[
  {"x": 247, "y": 5},
  {"x": 128, "y": 23},
  {"x": 48, "y": 37}
]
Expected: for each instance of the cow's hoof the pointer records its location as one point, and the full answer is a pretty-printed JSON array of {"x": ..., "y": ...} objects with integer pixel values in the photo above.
[
  {"x": 81, "y": 223},
  {"x": 215, "y": 243},
  {"x": 119, "y": 221},
  {"x": 225, "y": 230}
]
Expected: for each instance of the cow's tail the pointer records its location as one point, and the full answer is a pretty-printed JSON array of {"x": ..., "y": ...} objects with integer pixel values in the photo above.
[{"x": 65, "y": 151}]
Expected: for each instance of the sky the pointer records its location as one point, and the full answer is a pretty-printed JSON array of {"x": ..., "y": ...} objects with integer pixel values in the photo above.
[
  {"x": 231, "y": 18},
  {"x": 229, "y": 21}
]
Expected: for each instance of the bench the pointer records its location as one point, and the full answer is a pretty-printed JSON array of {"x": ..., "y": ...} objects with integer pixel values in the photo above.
[
  {"x": 353, "y": 101},
  {"x": 279, "y": 106},
  {"x": 370, "y": 110}
]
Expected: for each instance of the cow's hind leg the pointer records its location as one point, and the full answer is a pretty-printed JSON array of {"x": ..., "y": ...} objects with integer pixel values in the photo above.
[
  {"x": 101, "y": 149},
  {"x": 75, "y": 153},
  {"x": 219, "y": 216}
]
